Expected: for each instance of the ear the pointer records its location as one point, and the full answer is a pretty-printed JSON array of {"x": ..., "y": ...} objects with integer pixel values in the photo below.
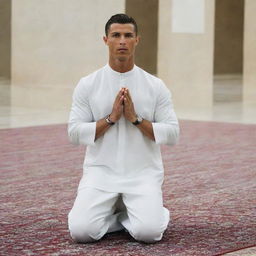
[
  {"x": 105, "y": 39},
  {"x": 137, "y": 40}
]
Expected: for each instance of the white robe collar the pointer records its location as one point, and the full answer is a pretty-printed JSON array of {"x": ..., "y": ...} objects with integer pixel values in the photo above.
[{"x": 125, "y": 74}]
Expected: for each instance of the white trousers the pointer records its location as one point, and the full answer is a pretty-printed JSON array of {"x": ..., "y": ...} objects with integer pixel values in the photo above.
[{"x": 96, "y": 212}]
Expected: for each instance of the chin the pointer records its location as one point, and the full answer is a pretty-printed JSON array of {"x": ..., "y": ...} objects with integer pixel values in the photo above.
[{"x": 122, "y": 58}]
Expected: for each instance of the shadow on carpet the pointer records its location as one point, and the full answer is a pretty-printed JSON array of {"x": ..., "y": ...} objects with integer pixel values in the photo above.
[{"x": 210, "y": 190}]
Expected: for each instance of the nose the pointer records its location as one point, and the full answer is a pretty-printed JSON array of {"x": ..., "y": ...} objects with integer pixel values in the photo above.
[{"x": 122, "y": 40}]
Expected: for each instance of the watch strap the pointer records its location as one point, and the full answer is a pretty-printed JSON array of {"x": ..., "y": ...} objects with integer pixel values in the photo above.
[
  {"x": 138, "y": 121},
  {"x": 107, "y": 119}
]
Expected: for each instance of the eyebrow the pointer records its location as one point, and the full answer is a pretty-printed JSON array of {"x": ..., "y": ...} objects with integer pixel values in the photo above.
[{"x": 126, "y": 33}]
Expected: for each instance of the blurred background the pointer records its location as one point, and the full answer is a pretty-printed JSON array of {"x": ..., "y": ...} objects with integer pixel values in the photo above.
[{"x": 204, "y": 50}]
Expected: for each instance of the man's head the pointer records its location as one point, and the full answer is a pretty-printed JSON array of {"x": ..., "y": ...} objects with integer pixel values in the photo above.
[
  {"x": 121, "y": 38},
  {"x": 121, "y": 19}
]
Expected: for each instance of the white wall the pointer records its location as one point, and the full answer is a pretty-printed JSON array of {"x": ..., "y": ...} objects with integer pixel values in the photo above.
[{"x": 54, "y": 43}]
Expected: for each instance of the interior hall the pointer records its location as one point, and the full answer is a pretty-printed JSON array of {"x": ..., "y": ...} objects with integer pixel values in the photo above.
[{"x": 203, "y": 50}]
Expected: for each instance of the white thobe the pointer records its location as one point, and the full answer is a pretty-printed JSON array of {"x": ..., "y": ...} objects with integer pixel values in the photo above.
[{"x": 123, "y": 160}]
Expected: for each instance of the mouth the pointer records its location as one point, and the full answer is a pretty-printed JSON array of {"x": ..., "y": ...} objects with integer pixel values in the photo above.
[{"x": 122, "y": 49}]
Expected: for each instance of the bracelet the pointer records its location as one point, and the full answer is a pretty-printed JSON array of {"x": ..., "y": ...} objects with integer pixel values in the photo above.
[{"x": 107, "y": 119}]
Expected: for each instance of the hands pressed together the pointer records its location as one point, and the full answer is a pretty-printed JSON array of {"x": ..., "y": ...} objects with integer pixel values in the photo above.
[{"x": 123, "y": 105}]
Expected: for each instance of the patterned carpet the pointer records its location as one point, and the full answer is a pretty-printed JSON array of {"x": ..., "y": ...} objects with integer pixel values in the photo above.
[{"x": 210, "y": 189}]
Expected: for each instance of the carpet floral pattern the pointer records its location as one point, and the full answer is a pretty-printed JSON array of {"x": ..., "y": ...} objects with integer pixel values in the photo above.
[{"x": 210, "y": 189}]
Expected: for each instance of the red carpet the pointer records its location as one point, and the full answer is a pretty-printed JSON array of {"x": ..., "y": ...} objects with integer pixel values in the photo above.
[{"x": 210, "y": 189}]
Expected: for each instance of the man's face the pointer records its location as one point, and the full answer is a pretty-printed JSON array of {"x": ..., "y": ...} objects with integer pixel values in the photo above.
[{"x": 121, "y": 40}]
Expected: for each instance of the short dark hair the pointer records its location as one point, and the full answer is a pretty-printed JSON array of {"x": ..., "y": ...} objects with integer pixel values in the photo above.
[{"x": 121, "y": 19}]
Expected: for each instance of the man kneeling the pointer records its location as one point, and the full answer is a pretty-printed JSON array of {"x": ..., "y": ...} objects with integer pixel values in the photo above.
[{"x": 122, "y": 114}]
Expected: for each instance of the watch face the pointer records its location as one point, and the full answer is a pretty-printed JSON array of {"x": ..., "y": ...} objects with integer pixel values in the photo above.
[{"x": 139, "y": 118}]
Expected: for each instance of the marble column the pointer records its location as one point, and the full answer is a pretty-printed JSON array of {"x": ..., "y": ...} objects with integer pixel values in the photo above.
[
  {"x": 185, "y": 60},
  {"x": 249, "y": 74}
]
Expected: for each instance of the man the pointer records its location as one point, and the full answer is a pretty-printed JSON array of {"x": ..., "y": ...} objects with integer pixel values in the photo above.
[{"x": 122, "y": 114}]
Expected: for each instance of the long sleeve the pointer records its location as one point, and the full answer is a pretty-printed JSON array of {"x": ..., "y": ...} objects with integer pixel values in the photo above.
[
  {"x": 81, "y": 126},
  {"x": 165, "y": 125},
  {"x": 123, "y": 160}
]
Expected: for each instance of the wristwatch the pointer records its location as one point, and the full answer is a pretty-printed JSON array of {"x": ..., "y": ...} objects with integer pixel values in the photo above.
[
  {"x": 107, "y": 119},
  {"x": 138, "y": 120}
]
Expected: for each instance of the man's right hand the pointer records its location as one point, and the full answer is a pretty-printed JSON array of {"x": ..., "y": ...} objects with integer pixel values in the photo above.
[{"x": 118, "y": 106}]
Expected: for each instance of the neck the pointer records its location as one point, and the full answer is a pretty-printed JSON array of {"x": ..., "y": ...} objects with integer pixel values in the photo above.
[{"x": 121, "y": 66}]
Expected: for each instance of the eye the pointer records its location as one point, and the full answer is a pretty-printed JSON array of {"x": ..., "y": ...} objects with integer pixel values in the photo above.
[
  {"x": 115, "y": 35},
  {"x": 129, "y": 35}
]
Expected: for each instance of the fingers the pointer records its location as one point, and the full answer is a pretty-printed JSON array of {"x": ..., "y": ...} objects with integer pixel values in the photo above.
[
  {"x": 117, "y": 108},
  {"x": 123, "y": 105},
  {"x": 123, "y": 97},
  {"x": 127, "y": 96},
  {"x": 121, "y": 100},
  {"x": 120, "y": 93},
  {"x": 120, "y": 97}
]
